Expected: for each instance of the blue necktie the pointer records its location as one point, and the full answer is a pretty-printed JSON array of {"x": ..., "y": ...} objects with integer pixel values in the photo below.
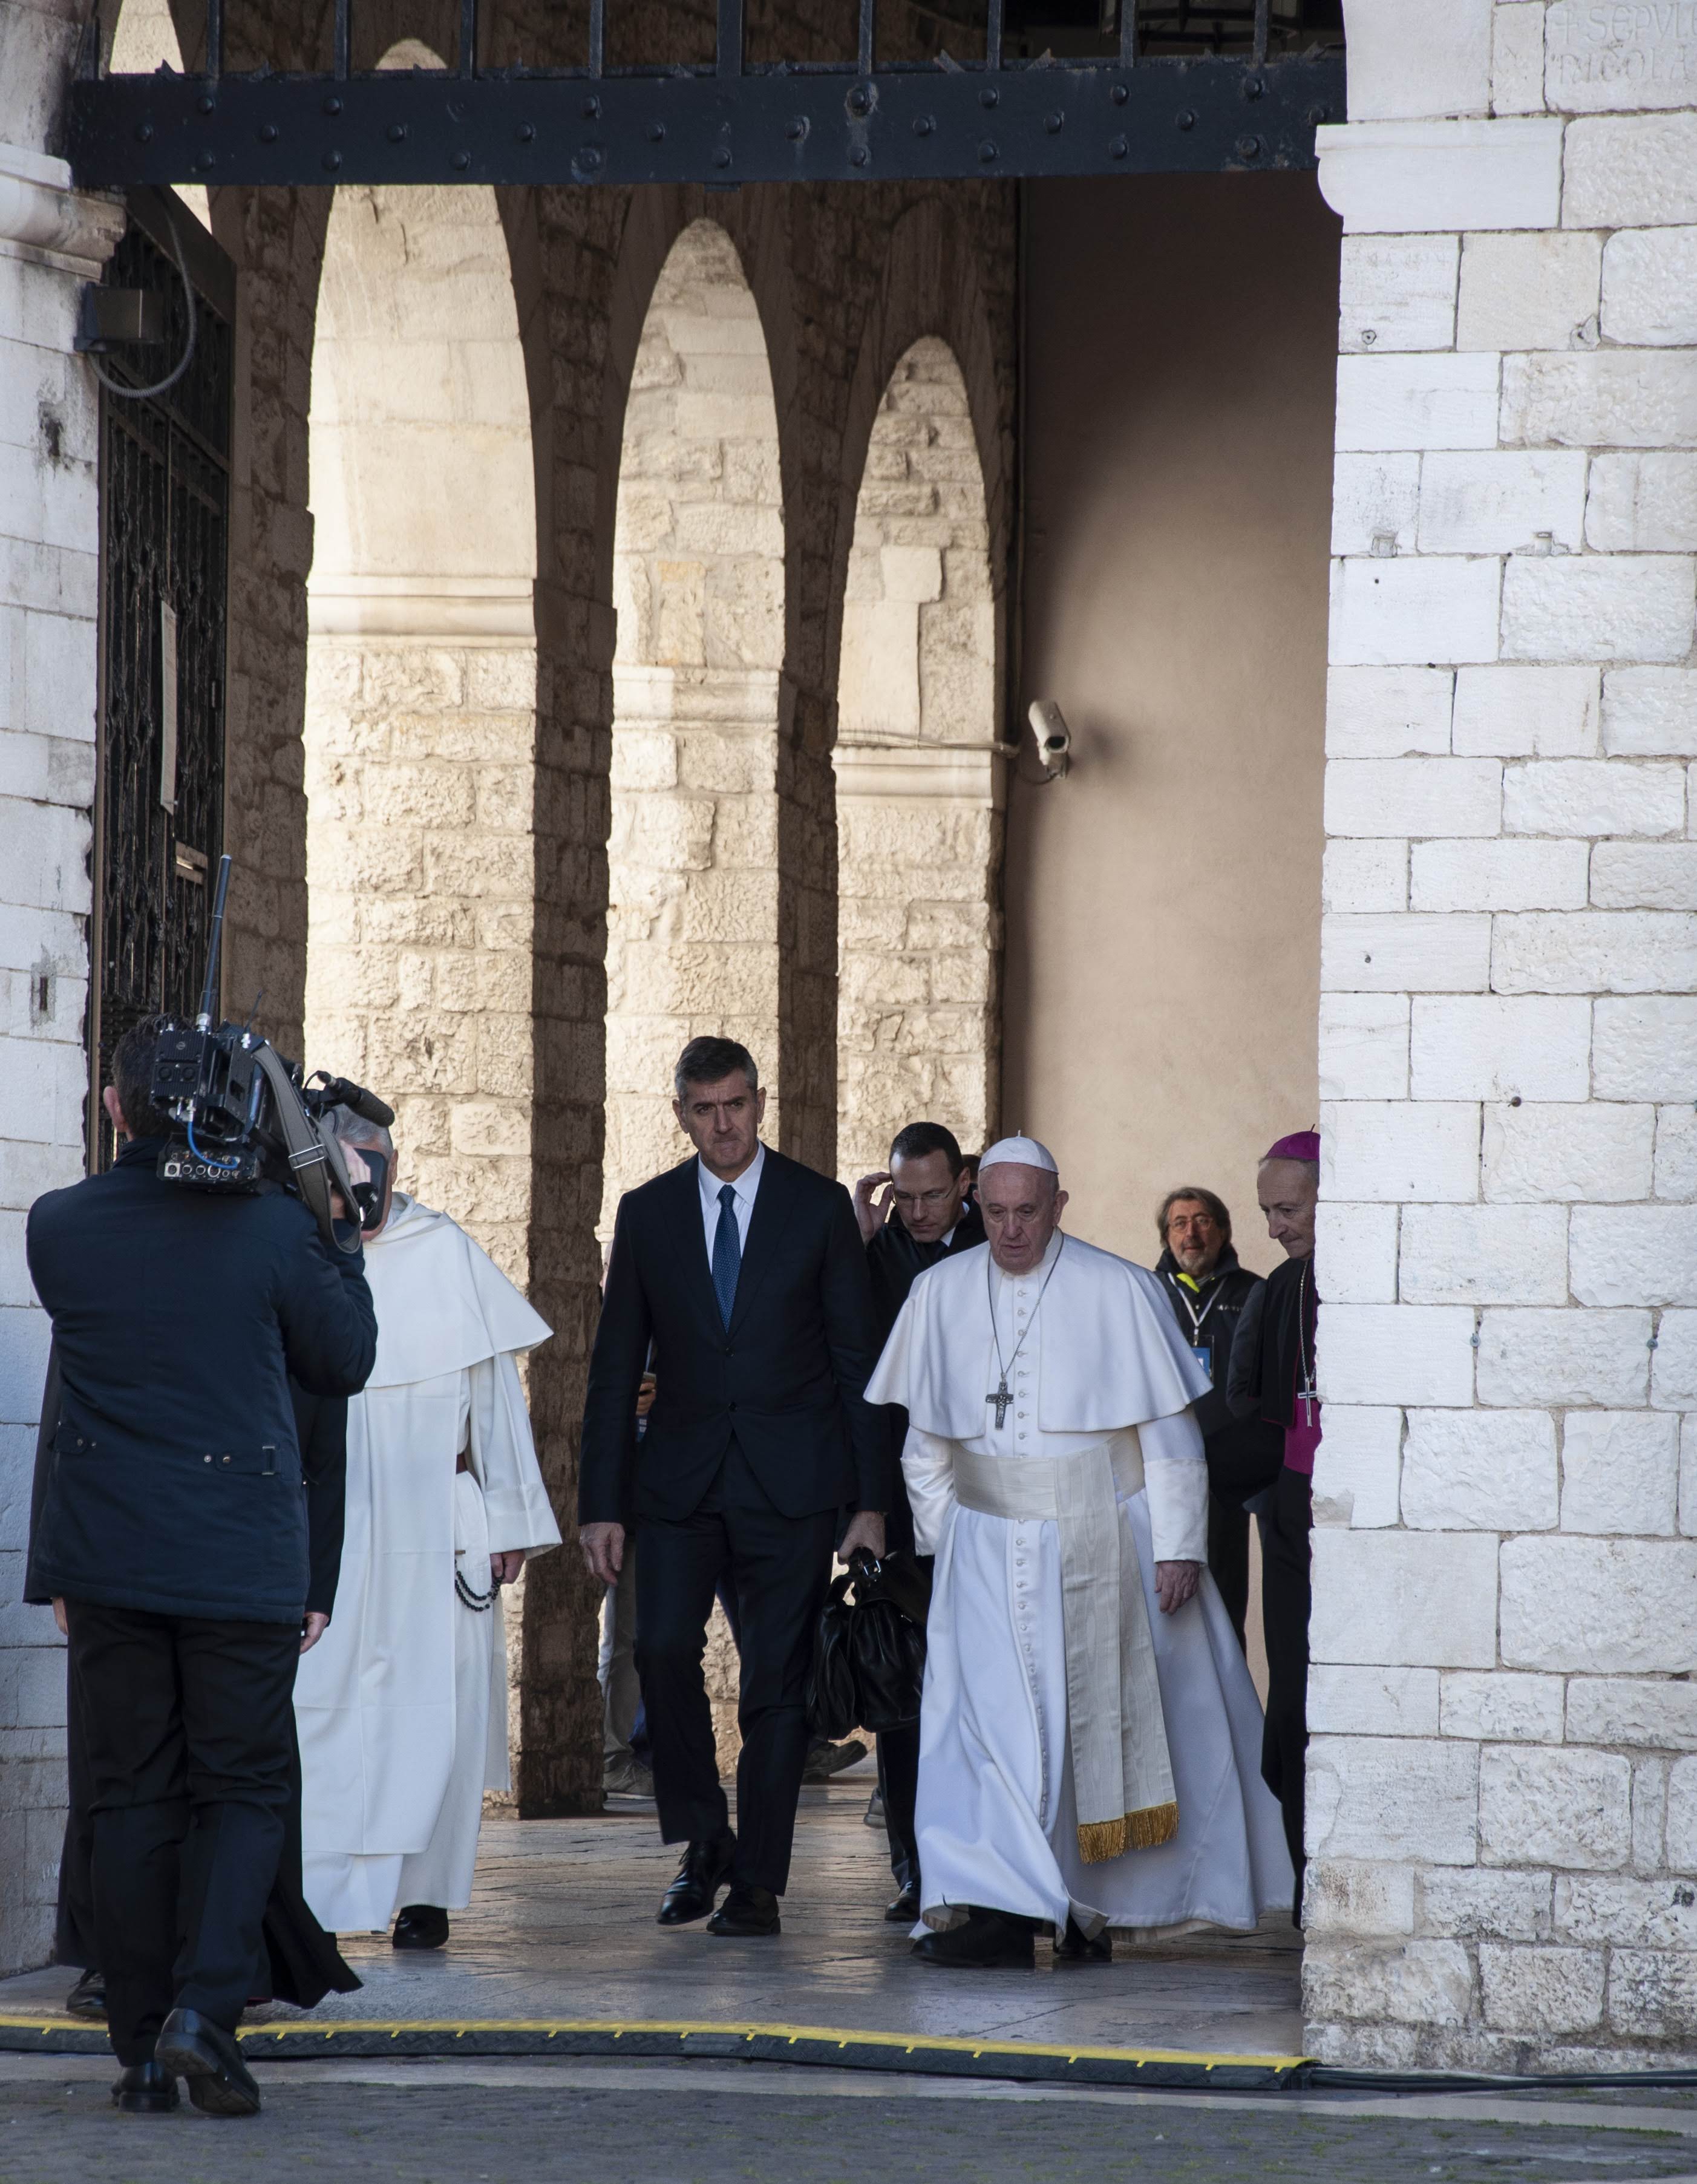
[{"x": 728, "y": 1252}]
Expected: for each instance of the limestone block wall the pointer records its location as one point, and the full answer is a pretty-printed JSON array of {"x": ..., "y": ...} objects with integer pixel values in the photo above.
[
  {"x": 919, "y": 783},
  {"x": 421, "y": 878},
  {"x": 52, "y": 239},
  {"x": 1502, "y": 1794},
  {"x": 694, "y": 915}
]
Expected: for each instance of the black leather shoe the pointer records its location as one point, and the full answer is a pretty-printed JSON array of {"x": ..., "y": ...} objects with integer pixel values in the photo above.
[
  {"x": 702, "y": 1872},
  {"x": 420, "y": 1926},
  {"x": 902, "y": 1909},
  {"x": 87, "y": 1998},
  {"x": 219, "y": 2083},
  {"x": 747, "y": 1910},
  {"x": 989, "y": 1941},
  {"x": 1074, "y": 1948},
  {"x": 145, "y": 2089}
]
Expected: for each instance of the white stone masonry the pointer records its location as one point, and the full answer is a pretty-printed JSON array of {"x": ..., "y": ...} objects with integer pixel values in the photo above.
[
  {"x": 52, "y": 239},
  {"x": 1502, "y": 1829}
]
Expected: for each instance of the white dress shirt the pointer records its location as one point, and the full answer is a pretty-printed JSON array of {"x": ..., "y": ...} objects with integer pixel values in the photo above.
[{"x": 745, "y": 1186}]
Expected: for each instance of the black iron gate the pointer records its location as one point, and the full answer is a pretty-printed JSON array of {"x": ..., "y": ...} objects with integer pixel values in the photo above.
[
  {"x": 1029, "y": 88},
  {"x": 164, "y": 502}
]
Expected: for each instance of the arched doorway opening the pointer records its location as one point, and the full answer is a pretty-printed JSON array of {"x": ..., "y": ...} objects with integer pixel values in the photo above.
[
  {"x": 420, "y": 722},
  {"x": 918, "y": 779},
  {"x": 693, "y": 882}
]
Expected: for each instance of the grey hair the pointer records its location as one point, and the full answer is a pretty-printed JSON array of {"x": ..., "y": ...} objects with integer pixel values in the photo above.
[
  {"x": 709, "y": 1061},
  {"x": 354, "y": 1129}
]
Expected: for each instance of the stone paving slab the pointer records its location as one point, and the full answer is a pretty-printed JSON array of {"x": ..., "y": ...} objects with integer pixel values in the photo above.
[{"x": 562, "y": 1927}]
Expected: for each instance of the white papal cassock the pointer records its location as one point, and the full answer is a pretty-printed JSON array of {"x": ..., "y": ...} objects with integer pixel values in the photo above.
[
  {"x": 1102, "y": 1378},
  {"x": 402, "y": 1705}
]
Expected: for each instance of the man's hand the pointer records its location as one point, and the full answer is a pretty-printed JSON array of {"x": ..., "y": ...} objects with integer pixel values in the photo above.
[
  {"x": 603, "y": 1550},
  {"x": 59, "y": 1618},
  {"x": 1175, "y": 1583},
  {"x": 870, "y": 1216},
  {"x": 504, "y": 1567},
  {"x": 865, "y": 1531},
  {"x": 313, "y": 1628}
]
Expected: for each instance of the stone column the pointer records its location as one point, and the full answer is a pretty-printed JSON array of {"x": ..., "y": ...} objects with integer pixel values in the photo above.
[
  {"x": 1499, "y": 1802},
  {"x": 52, "y": 240}
]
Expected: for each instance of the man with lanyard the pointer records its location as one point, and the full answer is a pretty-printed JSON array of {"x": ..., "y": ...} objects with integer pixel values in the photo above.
[
  {"x": 1272, "y": 1380},
  {"x": 921, "y": 1214},
  {"x": 1212, "y": 1293}
]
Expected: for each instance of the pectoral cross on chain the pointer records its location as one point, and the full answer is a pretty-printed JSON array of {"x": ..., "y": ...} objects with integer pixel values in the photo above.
[{"x": 1001, "y": 1399}]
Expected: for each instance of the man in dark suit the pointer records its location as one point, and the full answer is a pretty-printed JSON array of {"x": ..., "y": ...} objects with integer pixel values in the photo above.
[
  {"x": 746, "y": 1272},
  {"x": 173, "y": 1526},
  {"x": 922, "y": 1214}
]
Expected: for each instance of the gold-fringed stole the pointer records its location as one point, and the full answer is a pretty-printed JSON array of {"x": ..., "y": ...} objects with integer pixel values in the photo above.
[{"x": 1100, "y": 1840}]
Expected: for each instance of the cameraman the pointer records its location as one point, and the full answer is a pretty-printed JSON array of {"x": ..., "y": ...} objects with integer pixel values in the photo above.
[{"x": 173, "y": 1526}]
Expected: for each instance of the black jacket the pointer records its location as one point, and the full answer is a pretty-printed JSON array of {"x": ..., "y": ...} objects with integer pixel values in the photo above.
[
  {"x": 321, "y": 1428},
  {"x": 1244, "y": 1454},
  {"x": 895, "y": 1263},
  {"x": 1277, "y": 1340},
  {"x": 175, "y": 1483},
  {"x": 785, "y": 1378}
]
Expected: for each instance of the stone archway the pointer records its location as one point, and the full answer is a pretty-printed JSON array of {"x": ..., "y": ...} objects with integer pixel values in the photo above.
[
  {"x": 420, "y": 731},
  {"x": 692, "y": 926},
  {"x": 919, "y": 779}
]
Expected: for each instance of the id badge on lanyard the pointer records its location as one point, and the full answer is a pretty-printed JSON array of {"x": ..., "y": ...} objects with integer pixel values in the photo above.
[{"x": 1203, "y": 1352}]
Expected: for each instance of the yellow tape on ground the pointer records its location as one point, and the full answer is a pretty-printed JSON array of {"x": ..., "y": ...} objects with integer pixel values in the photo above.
[{"x": 794, "y": 2034}]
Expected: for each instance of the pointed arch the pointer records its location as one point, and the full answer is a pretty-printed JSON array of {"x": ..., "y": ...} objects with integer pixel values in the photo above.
[
  {"x": 917, "y": 765},
  {"x": 698, "y": 588}
]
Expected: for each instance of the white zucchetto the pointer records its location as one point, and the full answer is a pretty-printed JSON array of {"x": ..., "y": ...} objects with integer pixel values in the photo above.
[{"x": 1019, "y": 1152}]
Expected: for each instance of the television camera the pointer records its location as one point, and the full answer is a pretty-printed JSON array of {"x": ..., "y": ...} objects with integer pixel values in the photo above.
[{"x": 242, "y": 1117}]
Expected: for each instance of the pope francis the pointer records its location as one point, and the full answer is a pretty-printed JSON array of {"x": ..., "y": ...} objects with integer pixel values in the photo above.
[
  {"x": 1089, "y": 1736},
  {"x": 402, "y": 1705}
]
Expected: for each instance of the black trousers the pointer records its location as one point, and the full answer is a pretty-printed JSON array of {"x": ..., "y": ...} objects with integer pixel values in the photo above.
[
  {"x": 187, "y": 1731},
  {"x": 1228, "y": 1559},
  {"x": 898, "y": 1781},
  {"x": 1285, "y": 1597},
  {"x": 779, "y": 1566}
]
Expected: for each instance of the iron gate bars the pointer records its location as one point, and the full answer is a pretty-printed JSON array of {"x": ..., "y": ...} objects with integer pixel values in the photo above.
[
  {"x": 727, "y": 122},
  {"x": 164, "y": 549}
]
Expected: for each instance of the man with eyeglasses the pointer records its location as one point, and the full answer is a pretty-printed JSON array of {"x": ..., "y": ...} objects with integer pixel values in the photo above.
[{"x": 912, "y": 1214}]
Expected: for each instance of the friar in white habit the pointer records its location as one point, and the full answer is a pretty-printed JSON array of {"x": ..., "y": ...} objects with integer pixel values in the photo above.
[
  {"x": 1089, "y": 1736},
  {"x": 402, "y": 1705}
]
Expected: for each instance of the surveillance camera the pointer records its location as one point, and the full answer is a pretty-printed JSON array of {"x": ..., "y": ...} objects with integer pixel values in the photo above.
[{"x": 1053, "y": 736}]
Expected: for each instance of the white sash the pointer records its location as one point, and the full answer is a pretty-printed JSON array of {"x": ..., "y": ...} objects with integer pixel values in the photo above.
[{"x": 1121, "y": 1769}]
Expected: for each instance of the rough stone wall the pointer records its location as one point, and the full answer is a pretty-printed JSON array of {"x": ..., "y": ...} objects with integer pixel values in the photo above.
[
  {"x": 698, "y": 575},
  {"x": 919, "y": 780},
  {"x": 51, "y": 241},
  {"x": 1502, "y": 1802}
]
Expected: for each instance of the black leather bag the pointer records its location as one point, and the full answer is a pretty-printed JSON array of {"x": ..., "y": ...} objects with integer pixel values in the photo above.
[{"x": 869, "y": 1653}]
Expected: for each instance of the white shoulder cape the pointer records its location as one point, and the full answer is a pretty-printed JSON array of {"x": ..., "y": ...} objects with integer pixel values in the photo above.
[
  {"x": 1112, "y": 1353},
  {"x": 442, "y": 1304}
]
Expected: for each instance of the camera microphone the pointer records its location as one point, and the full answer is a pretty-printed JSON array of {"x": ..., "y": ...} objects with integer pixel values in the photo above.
[{"x": 342, "y": 1092}]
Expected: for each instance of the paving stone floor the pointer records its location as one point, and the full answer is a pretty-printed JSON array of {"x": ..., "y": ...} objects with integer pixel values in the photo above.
[{"x": 562, "y": 1925}]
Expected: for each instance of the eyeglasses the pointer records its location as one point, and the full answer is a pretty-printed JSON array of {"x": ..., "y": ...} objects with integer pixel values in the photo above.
[{"x": 925, "y": 1197}]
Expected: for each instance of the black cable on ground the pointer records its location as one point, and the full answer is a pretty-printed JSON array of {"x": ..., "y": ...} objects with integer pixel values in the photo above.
[{"x": 1328, "y": 2078}]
